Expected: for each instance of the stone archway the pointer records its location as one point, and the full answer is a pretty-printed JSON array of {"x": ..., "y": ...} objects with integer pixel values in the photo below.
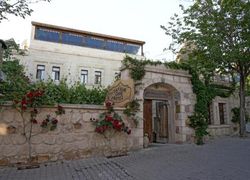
[
  {"x": 179, "y": 103},
  {"x": 159, "y": 112}
]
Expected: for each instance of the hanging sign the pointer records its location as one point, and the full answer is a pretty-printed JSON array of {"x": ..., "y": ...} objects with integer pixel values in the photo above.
[{"x": 121, "y": 92}]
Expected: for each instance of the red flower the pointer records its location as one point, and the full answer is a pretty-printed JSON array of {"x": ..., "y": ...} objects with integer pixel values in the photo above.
[
  {"x": 24, "y": 101},
  {"x": 99, "y": 129},
  {"x": 24, "y": 104},
  {"x": 109, "y": 104},
  {"x": 109, "y": 118},
  {"x": 54, "y": 121},
  {"x": 30, "y": 94},
  {"x": 129, "y": 131},
  {"x": 44, "y": 123},
  {"x": 34, "y": 121},
  {"x": 60, "y": 110},
  {"x": 38, "y": 93},
  {"x": 117, "y": 125}
]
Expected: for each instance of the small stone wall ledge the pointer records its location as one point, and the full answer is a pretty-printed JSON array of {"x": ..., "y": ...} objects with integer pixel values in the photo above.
[{"x": 219, "y": 126}]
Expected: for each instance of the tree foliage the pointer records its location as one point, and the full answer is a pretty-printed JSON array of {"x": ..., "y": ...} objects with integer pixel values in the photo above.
[
  {"x": 217, "y": 35},
  {"x": 19, "y": 8}
]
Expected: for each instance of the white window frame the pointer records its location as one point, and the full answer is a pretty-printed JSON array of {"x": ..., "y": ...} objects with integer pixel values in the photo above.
[
  {"x": 99, "y": 74},
  {"x": 55, "y": 73},
  {"x": 84, "y": 76},
  {"x": 40, "y": 72}
]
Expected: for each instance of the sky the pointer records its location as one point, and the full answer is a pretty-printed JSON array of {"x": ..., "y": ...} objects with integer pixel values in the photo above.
[{"x": 134, "y": 19}]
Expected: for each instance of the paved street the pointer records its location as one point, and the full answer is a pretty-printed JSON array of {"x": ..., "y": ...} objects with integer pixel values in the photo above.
[{"x": 226, "y": 158}]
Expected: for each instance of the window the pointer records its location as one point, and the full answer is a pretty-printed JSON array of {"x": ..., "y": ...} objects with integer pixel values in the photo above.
[
  {"x": 84, "y": 76},
  {"x": 56, "y": 73},
  {"x": 40, "y": 72},
  {"x": 89, "y": 40},
  {"x": 222, "y": 113},
  {"x": 98, "y": 77}
]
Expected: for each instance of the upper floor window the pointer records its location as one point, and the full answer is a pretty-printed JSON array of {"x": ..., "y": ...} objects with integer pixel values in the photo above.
[
  {"x": 78, "y": 39},
  {"x": 55, "y": 73},
  {"x": 84, "y": 76},
  {"x": 40, "y": 72},
  {"x": 98, "y": 77}
]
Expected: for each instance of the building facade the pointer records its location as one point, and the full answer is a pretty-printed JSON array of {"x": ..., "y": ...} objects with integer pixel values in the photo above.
[
  {"x": 90, "y": 58},
  {"x": 167, "y": 100},
  {"x": 93, "y": 59}
]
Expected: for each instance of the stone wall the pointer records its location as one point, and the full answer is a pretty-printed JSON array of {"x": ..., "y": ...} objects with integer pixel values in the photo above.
[
  {"x": 248, "y": 105},
  {"x": 73, "y": 138},
  {"x": 182, "y": 104},
  {"x": 221, "y": 130}
]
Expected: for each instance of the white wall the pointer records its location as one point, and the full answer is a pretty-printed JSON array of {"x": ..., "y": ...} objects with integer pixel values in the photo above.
[{"x": 71, "y": 59}]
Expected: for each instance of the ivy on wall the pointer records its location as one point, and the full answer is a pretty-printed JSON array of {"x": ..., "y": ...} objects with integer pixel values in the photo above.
[
  {"x": 131, "y": 109},
  {"x": 205, "y": 93}
]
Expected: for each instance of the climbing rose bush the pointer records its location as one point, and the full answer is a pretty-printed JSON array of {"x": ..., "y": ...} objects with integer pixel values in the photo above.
[
  {"x": 30, "y": 99},
  {"x": 29, "y": 104},
  {"x": 110, "y": 120}
]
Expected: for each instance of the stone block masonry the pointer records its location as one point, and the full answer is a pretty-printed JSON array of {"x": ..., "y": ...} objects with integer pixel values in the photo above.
[{"x": 73, "y": 138}]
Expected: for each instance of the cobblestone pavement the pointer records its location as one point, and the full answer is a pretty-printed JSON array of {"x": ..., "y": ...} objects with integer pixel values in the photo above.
[{"x": 227, "y": 158}]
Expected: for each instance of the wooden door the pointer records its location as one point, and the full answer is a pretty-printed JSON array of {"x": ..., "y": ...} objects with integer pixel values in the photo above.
[
  {"x": 163, "y": 121},
  {"x": 147, "y": 115},
  {"x": 222, "y": 113}
]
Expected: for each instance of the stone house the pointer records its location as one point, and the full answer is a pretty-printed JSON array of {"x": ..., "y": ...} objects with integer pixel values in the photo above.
[
  {"x": 166, "y": 100},
  {"x": 165, "y": 96},
  {"x": 93, "y": 59}
]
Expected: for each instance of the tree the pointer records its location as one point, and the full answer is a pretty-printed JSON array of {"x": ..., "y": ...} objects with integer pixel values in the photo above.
[
  {"x": 16, "y": 7},
  {"x": 220, "y": 32}
]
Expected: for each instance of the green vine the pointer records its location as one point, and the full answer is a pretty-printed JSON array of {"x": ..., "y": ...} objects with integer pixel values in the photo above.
[
  {"x": 131, "y": 108},
  {"x": 236, "y": 116},
  {"x": 205, "y": 93},
  {"x": 137, "y": 67}
]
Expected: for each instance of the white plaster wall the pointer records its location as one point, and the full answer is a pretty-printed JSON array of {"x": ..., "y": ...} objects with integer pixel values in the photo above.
[{"x": 71, "y": 59}]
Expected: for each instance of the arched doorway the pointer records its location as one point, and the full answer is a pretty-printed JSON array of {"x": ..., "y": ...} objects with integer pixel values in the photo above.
[{"x": 159, "y": 111}]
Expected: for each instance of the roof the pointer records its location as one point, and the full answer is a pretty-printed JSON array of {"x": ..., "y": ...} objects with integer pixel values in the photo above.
[{"x": 116, "y": 38}]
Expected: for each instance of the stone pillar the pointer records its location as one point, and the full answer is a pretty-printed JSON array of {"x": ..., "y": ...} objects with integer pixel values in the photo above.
[
  {"x": 125, "y": 74},
  {"x": 216, "y": 117}
]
